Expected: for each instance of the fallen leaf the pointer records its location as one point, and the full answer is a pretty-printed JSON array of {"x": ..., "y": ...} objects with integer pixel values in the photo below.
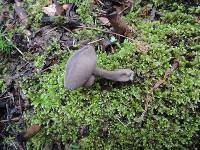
[
  {"x": 55, "y": 9},
  {"x": 66, "y": 6},
  {"x": 119, "y": 25},
  {"x": 30, "y": 132},
  {"x": 50, "y": 10},
  {"x": 104, "y": 21}
]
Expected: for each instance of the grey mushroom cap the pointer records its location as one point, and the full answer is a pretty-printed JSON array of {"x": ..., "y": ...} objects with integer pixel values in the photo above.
[{"x": 79, "y": 67}]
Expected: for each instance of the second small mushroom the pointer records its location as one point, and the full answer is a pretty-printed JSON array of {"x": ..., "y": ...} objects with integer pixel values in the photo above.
[{"x": 81, "y": 70}]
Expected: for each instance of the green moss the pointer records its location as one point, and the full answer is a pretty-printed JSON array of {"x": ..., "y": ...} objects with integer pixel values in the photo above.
[
  {"x": 2, "y": 86},
  {"x": 173, "y": 118},
  {"x": 5, "y": 46}
]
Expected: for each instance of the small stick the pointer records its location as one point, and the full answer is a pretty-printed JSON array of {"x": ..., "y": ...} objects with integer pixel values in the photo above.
[
  {"x": 15, "y": 46},
  {"x": 120, "y": 121},
  {"x": 5, "y": 97},
  {"x": 8, "y": 113},
  {"x": 14, "y": 144},
  {"x": 95, "y": 41},
  {"x": 38, "y": 31},
  {"x": 101, "y": 2},
  {"x": 123, "y": 10},
  {"x": 50, "y": 30},
  {"x": 13, "y": 119},
  {"x": 20, "y": 103},
  {"x": 43, "y": 70},
  {"x": 3, "y": 93},
  {"x": 67, "y": 29},
  {"x": 149, "y": 96},
  {"x": 91, "y": 28}
]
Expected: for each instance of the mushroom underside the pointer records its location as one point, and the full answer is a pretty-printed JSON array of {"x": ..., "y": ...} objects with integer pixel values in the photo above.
[{"x": 79, "y": 68}]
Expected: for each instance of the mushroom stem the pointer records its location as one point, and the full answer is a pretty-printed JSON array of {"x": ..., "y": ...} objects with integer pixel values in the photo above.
[
  {"x": 105, "y": 73},
  {"x": 115, "y": 75}
]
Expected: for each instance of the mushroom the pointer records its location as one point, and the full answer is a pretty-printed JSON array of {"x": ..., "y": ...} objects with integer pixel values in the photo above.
[{"x": 81, "y": 70}]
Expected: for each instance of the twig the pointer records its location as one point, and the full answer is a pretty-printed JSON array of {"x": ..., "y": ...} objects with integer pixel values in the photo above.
[
  {"x": 8, "y": 113},
  {"x": 13, "y": 119},
  {"x": 13, "y": 143},
  {"x": 43, "y": 70},
  {"x": 50, "y": 30},
  {"x": 3, "y": 93},
  {"x": 20, "y": 103},
  {"x": 110, "y": 32},
  {"x": 149, "y": 96},
  {"x": 121, "y": 122},
  {"x": 95, "y": 41},
  {"x": 5, "y": 97},
  {"x": 67, "y": 29},
  {"x": 123, "y": 10},
  {"x": 38, "y": 31},
  {"x": 101, "y": 2},
  {"x": 15, "y": 46}
]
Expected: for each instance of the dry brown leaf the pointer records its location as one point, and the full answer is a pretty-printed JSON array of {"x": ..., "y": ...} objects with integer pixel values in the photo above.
[
  {"x": 55, "y": 9},
  {"x": 30, "y": 132},
  {"x": 119, "y": 25},
  {"x": 66, "y": 6},
  {"x": 50, "y": 10},
  {"x": 104, "y": 21}
]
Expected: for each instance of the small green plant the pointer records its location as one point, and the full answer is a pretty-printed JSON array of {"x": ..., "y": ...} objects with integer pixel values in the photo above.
[
  {"x": 39, "y": 61},
  {"x": 2, "y": 85}
]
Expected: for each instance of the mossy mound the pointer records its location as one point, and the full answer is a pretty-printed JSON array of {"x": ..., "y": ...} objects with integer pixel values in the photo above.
[{"x": 102, "y": 116}]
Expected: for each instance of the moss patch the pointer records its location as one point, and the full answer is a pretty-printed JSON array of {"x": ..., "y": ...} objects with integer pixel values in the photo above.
[{"x": 108, "y": 109}]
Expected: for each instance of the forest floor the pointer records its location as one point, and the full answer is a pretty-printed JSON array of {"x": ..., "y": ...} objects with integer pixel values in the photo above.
[{"x": 159, "y": 41}]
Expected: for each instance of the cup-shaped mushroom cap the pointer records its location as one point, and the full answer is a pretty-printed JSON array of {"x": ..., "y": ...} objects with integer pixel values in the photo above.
[{"x": 79, "y": 67}]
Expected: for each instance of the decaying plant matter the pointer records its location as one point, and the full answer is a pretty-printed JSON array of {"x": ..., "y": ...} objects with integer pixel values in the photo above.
[
  {"x": 31, "y": 131},
  {"x": 21, "y": 12},
  {"x": 61, "y": 15},
  {"x": 119, "y": 26},
  {"x": 114, "y": 10},
  {"x": 107, "y": 45}
]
